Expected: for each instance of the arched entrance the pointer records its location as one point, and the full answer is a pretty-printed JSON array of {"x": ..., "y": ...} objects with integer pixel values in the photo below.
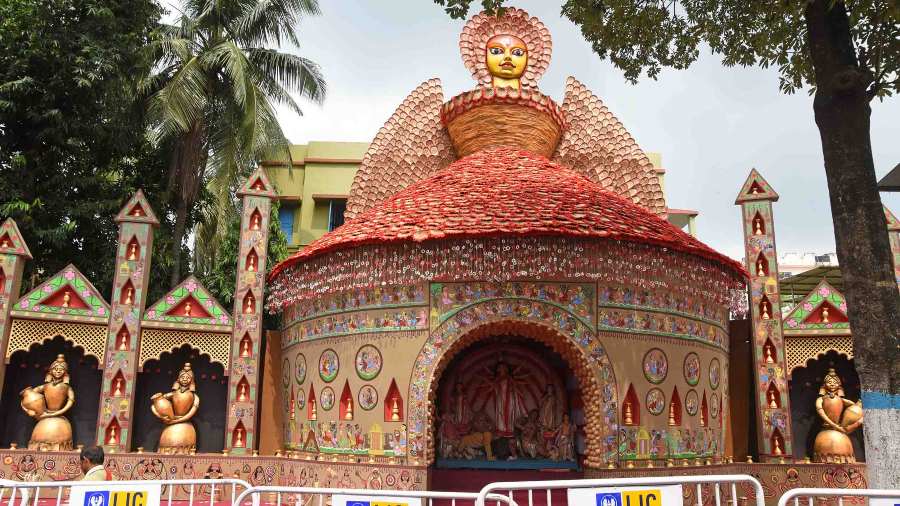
[
  {"x": 547, "y": 326},
  {"x": 27, "y": 368},
  {"x": 158, "y": 375}
]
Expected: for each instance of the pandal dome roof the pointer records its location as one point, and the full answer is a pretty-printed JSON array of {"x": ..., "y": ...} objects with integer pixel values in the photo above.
[{"x": 505, "y": 191}]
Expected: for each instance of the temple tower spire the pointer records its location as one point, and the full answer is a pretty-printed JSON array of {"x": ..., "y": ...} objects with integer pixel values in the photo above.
[
  {"x": 772, "y": 404},
  {"x": 129, "y": 296},
  {"x": 256, "y": 197}
]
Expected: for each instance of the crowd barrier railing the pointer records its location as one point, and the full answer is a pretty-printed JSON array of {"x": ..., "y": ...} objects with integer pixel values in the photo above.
[
  {"x": 712, "y": 489},
  {"x": 314, "y": 496},
  {"x": 193, "y": 492},
  {"x": 792, "y": 497}
]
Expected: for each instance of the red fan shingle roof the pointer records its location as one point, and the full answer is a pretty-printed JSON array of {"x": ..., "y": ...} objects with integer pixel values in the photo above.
[{"x": 506, "y": 191}]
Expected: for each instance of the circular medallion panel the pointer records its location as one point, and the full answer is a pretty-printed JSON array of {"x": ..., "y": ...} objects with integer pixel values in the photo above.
[
  {"x": 326, "y": 398},
  {"x": 328, "y": 366},
  {"x": 656, "y": 366},
  {"x": 714, "y": 406},
  {"x": 691, "y": 402},
  {"x": 286, "y": 373},
  {"x": 368, "y": 362},
  {"x": 715, "y": 371},
  {"x": 692, "y": 369},
  {"x": 367, "y": 397},
  {"x": 301, "y": 400},
  {"x": 656, "y": 401},
  {"x": 300, "y": 368}
]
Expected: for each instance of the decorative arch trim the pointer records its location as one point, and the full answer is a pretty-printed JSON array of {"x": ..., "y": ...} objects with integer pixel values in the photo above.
[
  {"x": 532, "y": 319},
  {"x": 26, "y": 333},
  {"x": 155, "y": 342}
]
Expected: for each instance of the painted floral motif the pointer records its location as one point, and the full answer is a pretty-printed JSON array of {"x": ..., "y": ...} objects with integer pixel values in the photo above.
[
  {"x": 300, "y": 368},
  {"x": 627, "y": 296},
  {"x": 656, "y": 401},
  {"x": 691, "y": 402},
  {"x": 365, "y": 298},
  {"x": 640, "y": 322},
  {"x": 656, "y": 366},
  {"x": 328, "y": 365},
  {"x": 356, "y": 323},
  {"x": 189, "y": 288},
  {"x": 79, "y": 286},
  {"x": 368, "y": 362},
  {"x": 367, "y": 397},
  {"x": 715, "y": 372},
  {"x": 692, "y": 369},
  {"x": 326, "y": 398},
  {"x": 448, "y": 298}
]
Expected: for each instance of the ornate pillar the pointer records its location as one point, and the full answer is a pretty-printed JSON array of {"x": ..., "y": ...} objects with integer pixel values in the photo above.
[
  {"x": 772, "y": 408},
  {"x": 893, "y": 226},
  {"x": 13, "y": 254},
  {"x": 256, "y": 196},
  {"x": 129, "y": 296}
]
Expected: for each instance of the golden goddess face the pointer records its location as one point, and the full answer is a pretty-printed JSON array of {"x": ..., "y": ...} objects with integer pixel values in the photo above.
[{"x": 506, "y": 56}]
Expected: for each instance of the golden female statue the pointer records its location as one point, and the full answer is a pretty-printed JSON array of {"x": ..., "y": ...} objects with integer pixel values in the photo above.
[
  {"x": 175, "y": 409},
  {"x": 47, "y": 403},
  {"x": 841, "y": 416}
]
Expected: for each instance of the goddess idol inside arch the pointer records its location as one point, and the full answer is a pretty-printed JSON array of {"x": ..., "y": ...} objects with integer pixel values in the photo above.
[{"x": 539, "y": 232}]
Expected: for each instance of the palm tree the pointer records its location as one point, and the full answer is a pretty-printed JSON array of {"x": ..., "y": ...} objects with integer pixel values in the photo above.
[{"x": 214, "y": 92}]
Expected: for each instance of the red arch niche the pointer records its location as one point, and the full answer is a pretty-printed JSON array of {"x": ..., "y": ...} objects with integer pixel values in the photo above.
[
  {"x": 311, "y": 404},
  {"x": 65, "y": 297},
  {"x": 119, "y": 387},
  {"x": 675, "y": 409},
  {"x": 127, "y": 295},
  {"x": 246, "y": 346},
  {"x": 704, "y": 411},
  {"x": 393, "y": 404},
  {"x": 239, "y": 436},
  {"x": 293, "y": 409},
  {"x": 345, "y": 411},
  {"x": 123, "y": 339},
  {"x": 2, "y": 279},
  {"x": 762, "y": 265},
  {"x": 189, "y": 307},
  {"x": 758, "y": 224},
  {"x": 826, "y": 313},
  {"x": 133, "y": 249},
  {"x": 242, "y": 391},
  {"x": 631, "y": 408},
  {"x": 765, "y": 308},
  {"x": 249, "y": 303},
  {"x": 255, "y": 220},
  {"x": 773, "y": 396},
  {"x": 113, "y": 432},
  {"x": 251, "y": 262}
]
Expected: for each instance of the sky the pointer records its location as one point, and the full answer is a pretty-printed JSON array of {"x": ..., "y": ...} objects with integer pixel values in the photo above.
[{"x": 711, "y": 123}]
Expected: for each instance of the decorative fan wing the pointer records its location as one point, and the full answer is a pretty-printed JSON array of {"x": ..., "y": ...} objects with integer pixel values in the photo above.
[
  {"x": 596, "y": 144},
  {"x": 410, "y": 146}
]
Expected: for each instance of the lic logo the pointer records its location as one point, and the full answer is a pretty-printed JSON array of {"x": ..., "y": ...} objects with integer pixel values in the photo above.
[
  {"x": 609, "y": 499},
  {"x": 96, "y": 499}
]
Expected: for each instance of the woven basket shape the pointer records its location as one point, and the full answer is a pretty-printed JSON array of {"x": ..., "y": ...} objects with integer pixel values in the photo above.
[{"x": 490, "y": 125}]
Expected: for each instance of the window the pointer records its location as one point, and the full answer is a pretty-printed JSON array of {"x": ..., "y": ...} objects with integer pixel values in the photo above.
[
  {"x": 336, "y": 210},
  {"x": 286, "y": 220}
]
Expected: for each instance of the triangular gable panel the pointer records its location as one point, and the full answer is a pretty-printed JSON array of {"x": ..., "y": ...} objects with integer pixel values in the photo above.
[
  {"x": 893, "y": 224},
  {"x": 11, "y": 241},
  {"x": 756, "y": 188},
  {"x": 807, "y": 315},
  {"x": 258, "y": 184},
  {"x": 49, "y": 299},
  {"x": 191, "y": 297},
  {"x": 137, "y": 210}
]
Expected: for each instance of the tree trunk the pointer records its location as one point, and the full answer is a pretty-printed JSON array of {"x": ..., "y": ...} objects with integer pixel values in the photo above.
[
  {"x": 189, "y": 163},
  {"x": 842, "y": 113}
]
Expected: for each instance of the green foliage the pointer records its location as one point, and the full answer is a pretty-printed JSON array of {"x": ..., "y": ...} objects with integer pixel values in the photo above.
[
  {"x": 72, "y": 145},
  {"x": 644, "y": 36},
  {"x": 219, "y": 270},
  {"x": 215, "y": 91}
]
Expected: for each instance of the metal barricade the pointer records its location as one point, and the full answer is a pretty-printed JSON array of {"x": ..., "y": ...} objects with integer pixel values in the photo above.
[
  {"x": 839, "y": 493},
  {"x": 29, "y": 493},
  {"x": 720, "y": 489},
  {"x": 313, "y": 496}
]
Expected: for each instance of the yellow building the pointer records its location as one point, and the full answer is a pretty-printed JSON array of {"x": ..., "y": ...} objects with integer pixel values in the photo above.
[{"x": 313, "y": 189}]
